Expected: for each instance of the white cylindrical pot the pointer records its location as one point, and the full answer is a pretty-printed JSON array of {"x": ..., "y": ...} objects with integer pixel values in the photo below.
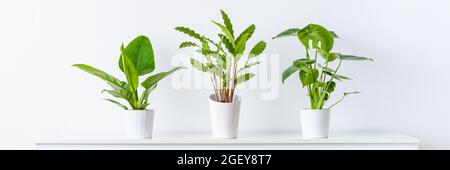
[
  {"x": 315, "y": 123},
  {"x": 139, "y": 124},
  {"x": 224, "y": 117}
]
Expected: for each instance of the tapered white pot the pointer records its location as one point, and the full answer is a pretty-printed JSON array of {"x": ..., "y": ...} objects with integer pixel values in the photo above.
[
  {"x": 224, "y": 117},
  {"x": 315, "y": 123},
  {"x": 139, "y": 124}
]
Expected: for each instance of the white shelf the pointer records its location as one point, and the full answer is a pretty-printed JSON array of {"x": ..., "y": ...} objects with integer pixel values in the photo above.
[{"x": 246, "y": 141}]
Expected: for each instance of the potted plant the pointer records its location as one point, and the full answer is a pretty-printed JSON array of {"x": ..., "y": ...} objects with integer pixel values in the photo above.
[
  {"x": 318, "y": 79},
  {"x": 221, "y": 61},
  {"x": 136, "y": 60}
]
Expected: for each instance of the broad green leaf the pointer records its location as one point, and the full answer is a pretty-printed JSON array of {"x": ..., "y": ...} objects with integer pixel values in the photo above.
[
  {"x": 330, "y": 86},
  {"x": 299, "y": 63},
  {"x": 317, "y": 34},
  {"x": 227, "y": 43},
  {"x": 140, "y": 53},
  {"x": 307, "y": 69},
  {"x": 188, "y": 44},
  {"x": 329, "y": 57},
  {"x": 352, "y": 57},
  {"x": 150, "y": 81},
  {"x": 117, "y": 103},
  {"x": 243, "y": 78},
  {"x": 227, "y": 33},
  {"x": 190, "y": 32},
  {"x": 308, "y": 78},
  {"x": 240, "y": 45},
  {"x": 248, "y": 31},
  {"x": 288, "y": 33},
  {"x": 257, "y": 49},
  {"x": 101, "y": 74},
  {"x": 198, "y": 65},
  {"x": 227, "y": 22},
  {"x": 288, "y": 72},
  {"x": 130, "y": 71}
]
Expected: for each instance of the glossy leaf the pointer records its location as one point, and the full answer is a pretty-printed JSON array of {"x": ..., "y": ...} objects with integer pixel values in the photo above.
[
  {"x": 227, "y": 22},
  {"x": 288, "y": 33},
  {"x": 152, "y": 80},
  {"x": 101, "y": 74},
  {"x": 337, "y": 76},
  {"x": 227, "y": 43},
  {"x": 299, "y": 63},
  {"x": 308, "y": 78},
  {"x": 248, "y": 32},
  {"x": 330, "y": 86},
  {"x": 140, "y": 53},
  {"x": 288, "y": 72},
  {"x": 227, "y": 33},
  {"x": 317, "y": 34},
  {"x": 240, "y": 45},
  {"x": 257, "y": 49}
]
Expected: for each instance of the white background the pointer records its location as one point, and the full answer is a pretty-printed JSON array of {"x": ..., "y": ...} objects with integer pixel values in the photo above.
[{"x": 405, "y": 89}]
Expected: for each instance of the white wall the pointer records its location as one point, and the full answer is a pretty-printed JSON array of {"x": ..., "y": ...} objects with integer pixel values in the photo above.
[{"x": 405, "y": 89}]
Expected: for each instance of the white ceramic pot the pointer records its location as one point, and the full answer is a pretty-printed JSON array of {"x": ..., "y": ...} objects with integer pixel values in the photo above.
[
  {"x": 139, "y": 124},
  {"x": 315, "y": 123},
  {"x": 224, "y": 117}
]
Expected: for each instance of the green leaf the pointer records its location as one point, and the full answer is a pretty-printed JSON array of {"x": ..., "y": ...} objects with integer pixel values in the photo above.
[
  {"x": 227, "y": 22},
  {"x": 227, "y": 33},
  {"x": 334, "y": 34},
  {"x": 257, "y": 49},
  {"x": 308, "y": 78},
  {"x": 317, "y": 34},
  {"x": 248, "y": 31},
  {"x": 353, "y": 58},
  {"x": 330, "y": 86},
  {"x": 227, "y": 43},
  {"x": 118, "y": 104},
  {"x": 123, "y": 94},
  {"x": 288, "y": 72},
  {"x": 101, "y": 74},
  {"x": 188, "y": 44},
  {"x": 190, "y": 32},
  {"x": 249, "y": 65},
  {"x": 143, "y": 100},
  {"x": 329, "y": 57},
  {"x": 130, "y": 71},
  {"x": 337, "y": 76},
  {"x": 288, "y": 33},
  {"x": 243, "y": 78},
  {"x": 150, "y": 81},
  {"x": 240, "y": 46},
  {"x": 299, "y": 63},
  {"x": 198, "y": 65},
  {"x": 140, "y": 53}
]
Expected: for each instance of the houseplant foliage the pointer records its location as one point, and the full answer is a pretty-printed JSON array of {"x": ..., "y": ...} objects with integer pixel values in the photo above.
[
  {"x": 319, "y": 78},
  {"x": 222, "y": 57},
  {"x": 136, "y": 60}
]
